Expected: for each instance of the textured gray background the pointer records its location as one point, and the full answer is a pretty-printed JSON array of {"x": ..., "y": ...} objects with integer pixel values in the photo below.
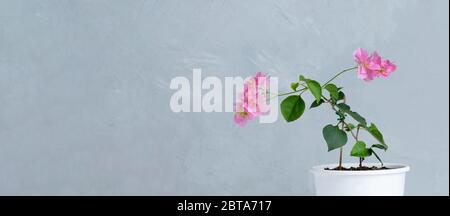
[{"x": 84, "y": 93}]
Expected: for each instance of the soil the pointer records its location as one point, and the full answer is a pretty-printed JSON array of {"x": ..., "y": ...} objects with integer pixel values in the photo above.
[{"x": 363, "y": 168}]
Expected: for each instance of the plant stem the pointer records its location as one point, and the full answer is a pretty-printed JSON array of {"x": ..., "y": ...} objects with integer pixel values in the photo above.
[
  {"x": 357, "y": 132},
  {"x": 338, "y": 74},
  {"x": 351, "y": 132},
  {"x": 343, "y": 122},
  {"x": 288, "y": 93},
  {"x": 305, "y": 88},
  {"x": 355, "y": 136},
  {"x": 341, "y": 150}
]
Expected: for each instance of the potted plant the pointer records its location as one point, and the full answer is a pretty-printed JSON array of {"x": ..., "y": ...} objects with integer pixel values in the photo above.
[{"x": 340, "y": 178}]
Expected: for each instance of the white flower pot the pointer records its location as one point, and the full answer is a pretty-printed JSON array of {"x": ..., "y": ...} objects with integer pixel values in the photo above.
[{"x": 389, "y": 182}]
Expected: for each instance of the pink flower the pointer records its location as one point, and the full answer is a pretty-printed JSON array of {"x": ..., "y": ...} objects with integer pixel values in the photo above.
[
  {"x": 241, "y": 117},
  {"x": 253, "y": 101},
  {"x": 366, "y": 66},
  {"x": 372, "y": 66},
  {"x": 385, "y": 67}
]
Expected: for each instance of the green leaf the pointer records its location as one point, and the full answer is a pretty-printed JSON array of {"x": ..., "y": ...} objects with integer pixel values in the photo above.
[
  {"x": 302, "y": 78},
  {"x": 294, "y": 86},
  {"x": 334, "y": 137},
  {"x": 346, "y": 109},
  {"x": 333, "y": 89},
  {"x": 376, "y": 134},
  {"x": 360, "y": 150},
  {"x": 350, "y": 127},
  {"x": 378, "y": 157},
  {"x": 292, "y": 107},
  {"x": 316, "y": 104},
  {"x": 341, "y": 96},
  {"x": 380, "y": 146},
  {"x": 315, "y": 88}
]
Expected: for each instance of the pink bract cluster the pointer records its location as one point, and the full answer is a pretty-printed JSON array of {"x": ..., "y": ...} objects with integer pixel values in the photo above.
[
  {"x": 372, "y": 66},
  {"x": 253, "y": 100}
]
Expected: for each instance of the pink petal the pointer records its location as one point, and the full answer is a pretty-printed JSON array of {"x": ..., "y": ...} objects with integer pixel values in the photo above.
[
  {"x": 242, "y": 118},
  {"x": 365, "y": 74},
  {"x": 239, "y": 120},
  {"x": 375, "y": 58},
  {"x": 387, "y": 68},
  {"x": 362, "y": 73},
  {"x": 374, "y": 66},
  {"x": 360, "y": 55}
]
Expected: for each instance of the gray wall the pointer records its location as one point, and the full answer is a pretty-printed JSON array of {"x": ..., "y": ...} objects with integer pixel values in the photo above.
[{"x": 84, "y": 93}]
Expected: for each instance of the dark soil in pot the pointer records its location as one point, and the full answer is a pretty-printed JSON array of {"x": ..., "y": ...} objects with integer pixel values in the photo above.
[{"x": 363, "y": 168}]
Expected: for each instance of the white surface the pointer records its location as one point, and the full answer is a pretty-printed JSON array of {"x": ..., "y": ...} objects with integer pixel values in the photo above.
[{"x": 389, "y": 182}]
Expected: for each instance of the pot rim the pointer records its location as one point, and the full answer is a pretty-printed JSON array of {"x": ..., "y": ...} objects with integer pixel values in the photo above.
[{"x": 395, "y": 168}]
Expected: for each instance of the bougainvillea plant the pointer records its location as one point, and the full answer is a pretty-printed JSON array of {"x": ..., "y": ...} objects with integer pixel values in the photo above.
[{"x": 252, "y": 104}]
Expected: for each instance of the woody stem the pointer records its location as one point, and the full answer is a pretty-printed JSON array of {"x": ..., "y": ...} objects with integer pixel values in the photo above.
[{"x": 338, "y": 74}]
